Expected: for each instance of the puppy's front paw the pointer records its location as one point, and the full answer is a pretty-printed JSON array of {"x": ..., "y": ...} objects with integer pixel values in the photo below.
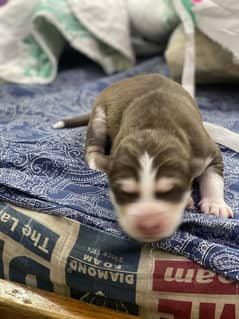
[{"x": 215, "y": 207}]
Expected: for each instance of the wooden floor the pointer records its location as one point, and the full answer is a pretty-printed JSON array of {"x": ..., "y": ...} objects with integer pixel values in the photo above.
[{"x": 17, "y": 301}]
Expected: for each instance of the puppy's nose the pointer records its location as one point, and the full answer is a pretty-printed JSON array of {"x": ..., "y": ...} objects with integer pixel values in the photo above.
[{"x": 148, "y": 225}]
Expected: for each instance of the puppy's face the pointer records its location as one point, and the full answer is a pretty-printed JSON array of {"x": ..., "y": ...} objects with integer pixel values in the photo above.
[{"x": 149, "y": 196}]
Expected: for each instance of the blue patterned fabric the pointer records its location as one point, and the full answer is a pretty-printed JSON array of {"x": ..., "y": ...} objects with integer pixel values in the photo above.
[{"x": 43, "y": 169}]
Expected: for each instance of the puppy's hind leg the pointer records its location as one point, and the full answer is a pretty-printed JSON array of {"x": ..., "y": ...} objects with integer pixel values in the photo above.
[
  {"x": 212, "y": 190},
  {"x": 96, "y": 140}
]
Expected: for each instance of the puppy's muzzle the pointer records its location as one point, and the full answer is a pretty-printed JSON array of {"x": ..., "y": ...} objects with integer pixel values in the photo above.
[
  {"x": 150, "y": 221},
  {"x": 149, "y": 225}
]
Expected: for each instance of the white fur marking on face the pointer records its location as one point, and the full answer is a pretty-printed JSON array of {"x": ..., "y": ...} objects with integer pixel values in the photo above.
[
  {"x": 147, "y": 176},
  {"x": 129, "y": 185},
  {"x": 170, "y": 215},
  {"x": 165, "y": 184},
  {"x": 165, "y": 215}
]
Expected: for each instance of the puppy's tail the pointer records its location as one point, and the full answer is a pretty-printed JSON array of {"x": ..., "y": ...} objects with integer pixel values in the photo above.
[
  {"x": 223, "y": 136},
  {"x": 81, "y": 120}
]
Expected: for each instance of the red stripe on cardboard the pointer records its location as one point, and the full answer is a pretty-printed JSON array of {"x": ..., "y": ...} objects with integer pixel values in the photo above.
[{"x": 188, "y": 277}]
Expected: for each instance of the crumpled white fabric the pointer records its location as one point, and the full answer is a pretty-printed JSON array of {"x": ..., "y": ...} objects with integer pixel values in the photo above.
[
  {"x": 33, "y": 34},
  {"x": 221, "y": 23},
  {"x": 12, "y": 31},
  {"x": 154, "y": 20},
  {"x": 219, "y": 20},
  {"x": 108, "y": 21}
]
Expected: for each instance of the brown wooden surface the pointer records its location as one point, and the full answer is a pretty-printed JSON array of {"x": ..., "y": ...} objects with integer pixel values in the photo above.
[{"x": 18, "y": 301}]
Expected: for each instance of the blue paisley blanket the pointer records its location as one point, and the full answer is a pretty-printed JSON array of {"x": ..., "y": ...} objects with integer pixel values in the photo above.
[{"x": 43, "y": 169}]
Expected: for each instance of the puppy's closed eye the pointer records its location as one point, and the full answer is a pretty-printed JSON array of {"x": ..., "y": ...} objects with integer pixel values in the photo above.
[
  {"x": 126, "y": 190},
  {"x": 130, "y": 195},
  {"x": 160, "y": 194},
  {"x": 175, "y": 194}
]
